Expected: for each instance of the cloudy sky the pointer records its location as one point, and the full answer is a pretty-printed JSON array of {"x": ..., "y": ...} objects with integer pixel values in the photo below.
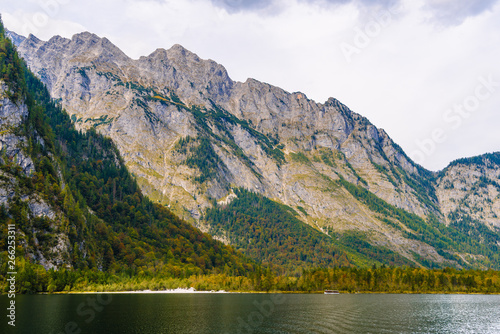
[{"x": 426, "y": 71}]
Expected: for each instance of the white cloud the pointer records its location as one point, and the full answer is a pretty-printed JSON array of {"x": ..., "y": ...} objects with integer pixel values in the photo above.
[
  {"x": 409, "y": 73},
  {"x": 40, "y": 23},
  {"x": 455, "y": 12}
]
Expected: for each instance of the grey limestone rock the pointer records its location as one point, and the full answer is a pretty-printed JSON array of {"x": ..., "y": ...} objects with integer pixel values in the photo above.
[{"x": 13, "y": 147}]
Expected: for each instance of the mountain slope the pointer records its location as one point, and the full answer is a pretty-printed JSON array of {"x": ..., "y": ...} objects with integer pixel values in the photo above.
[
  {"x": 73, "y": 202},
  {"x": 192, "y": 136},
  {"x": 269, "y": 231}
]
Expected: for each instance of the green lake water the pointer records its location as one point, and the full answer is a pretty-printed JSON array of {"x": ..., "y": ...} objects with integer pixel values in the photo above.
[{"x": 253, "y": 313}]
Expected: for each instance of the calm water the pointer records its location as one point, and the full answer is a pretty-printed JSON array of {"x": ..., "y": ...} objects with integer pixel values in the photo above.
[{"x": 253, "y": 313}]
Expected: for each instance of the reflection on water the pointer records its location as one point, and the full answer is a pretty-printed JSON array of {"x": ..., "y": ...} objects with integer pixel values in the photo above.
[{"x": 254, "y": 313}]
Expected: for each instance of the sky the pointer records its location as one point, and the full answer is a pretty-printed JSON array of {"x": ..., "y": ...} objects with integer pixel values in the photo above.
[{"x": 426, "y": 71}]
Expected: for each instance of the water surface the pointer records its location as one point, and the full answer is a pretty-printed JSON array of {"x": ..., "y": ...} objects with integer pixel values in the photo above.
[{"x": 253, "y": 313}]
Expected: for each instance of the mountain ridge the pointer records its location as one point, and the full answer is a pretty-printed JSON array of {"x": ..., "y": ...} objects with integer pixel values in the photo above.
[{"x": 190, "y": 134}]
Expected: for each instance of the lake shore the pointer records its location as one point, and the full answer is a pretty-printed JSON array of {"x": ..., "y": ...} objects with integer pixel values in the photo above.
[
  {"x": 194, "y": 291},
  {"x": 178, "y": 290}
]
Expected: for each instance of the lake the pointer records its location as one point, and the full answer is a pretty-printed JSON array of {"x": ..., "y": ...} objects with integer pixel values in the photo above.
[{"x": 253, "y": 313}]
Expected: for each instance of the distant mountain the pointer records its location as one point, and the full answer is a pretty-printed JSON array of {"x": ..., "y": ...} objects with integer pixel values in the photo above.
[{"x": 192, "y": 137}]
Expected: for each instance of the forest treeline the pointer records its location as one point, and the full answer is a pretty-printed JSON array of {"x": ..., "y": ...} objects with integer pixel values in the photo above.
[{"x": 35, "y": 279}]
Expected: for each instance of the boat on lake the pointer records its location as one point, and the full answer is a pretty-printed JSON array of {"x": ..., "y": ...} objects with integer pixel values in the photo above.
[{"x": 331, "y": 292}]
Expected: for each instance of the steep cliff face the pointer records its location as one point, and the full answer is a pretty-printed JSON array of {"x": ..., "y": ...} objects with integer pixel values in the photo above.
[
  {"x": 190, "y": 135},
  {"x": 468, "y": 190},
  {"x": 16, "y": 166},
  {"x": 12, "y": 118}
]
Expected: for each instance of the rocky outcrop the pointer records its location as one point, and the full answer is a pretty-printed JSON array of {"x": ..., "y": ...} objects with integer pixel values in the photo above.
[
  {"x": 16, "y": 164},
  {"x": 12, "y": 146},
  {"x": 15, "y": 38},
  {"x": 470, "y": 189}
]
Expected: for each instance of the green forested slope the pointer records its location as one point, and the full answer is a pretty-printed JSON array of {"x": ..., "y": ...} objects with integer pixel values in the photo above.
[
  {"x": 461, "y": 236},
  {"x": 271, "y": 232}
]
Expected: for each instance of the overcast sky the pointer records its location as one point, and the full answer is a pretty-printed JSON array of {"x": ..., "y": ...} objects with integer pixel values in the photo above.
[{"x": 426, "y": 71}]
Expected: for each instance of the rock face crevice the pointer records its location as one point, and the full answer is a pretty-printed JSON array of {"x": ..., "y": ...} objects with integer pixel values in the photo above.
[{"x": 190, "y": 134}]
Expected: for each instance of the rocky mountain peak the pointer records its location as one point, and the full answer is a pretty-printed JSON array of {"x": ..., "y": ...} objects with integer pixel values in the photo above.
[
  {"x": 176, "y": 54},
  {"x": 15, "y": 38},
  {"x": 333, "y": 102},
  {"x": 101, "y": 48},
  {"x": 58, "y": 40},
  {"x": 32, "y": 40},
  {"x": 85, "y": 36},
  {"x": 178, "y": 51},
  {"x": 159, "y": 53},
  {"x": 82, "y": 47},
  {"x": 195, "y": 79}
]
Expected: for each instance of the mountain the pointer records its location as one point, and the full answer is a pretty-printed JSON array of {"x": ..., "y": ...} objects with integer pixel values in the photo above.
[
  {"x": 74, "y": 204},
  {"x": 15, "y": 38},
  {"x": 194, "y": 140}
]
